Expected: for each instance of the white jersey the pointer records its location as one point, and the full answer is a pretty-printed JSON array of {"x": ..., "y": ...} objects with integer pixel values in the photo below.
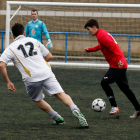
[{"x": 27, "y": 55}]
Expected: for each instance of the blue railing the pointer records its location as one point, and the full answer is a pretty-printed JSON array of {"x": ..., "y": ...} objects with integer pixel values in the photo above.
[
  {"x": 2, "y": 40},
  {"x": 129, "y": 43},
  {"x": 78, "y": 33}
]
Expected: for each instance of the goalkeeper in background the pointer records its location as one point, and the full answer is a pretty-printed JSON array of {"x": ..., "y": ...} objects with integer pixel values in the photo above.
[
  {"x": 36, "y": 27},
  {"x": 118, "y": 66}
]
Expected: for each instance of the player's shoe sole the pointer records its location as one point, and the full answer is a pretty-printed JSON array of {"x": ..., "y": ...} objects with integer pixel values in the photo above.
[
  {"x": 59, "y": 122},
  {"x": 81, "y": 119},
  {"x": 114, "y": 110},
  {"x": 135, "y": 115}
]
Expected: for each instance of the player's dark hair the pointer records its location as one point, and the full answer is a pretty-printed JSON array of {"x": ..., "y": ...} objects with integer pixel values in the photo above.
[
  {"x": 91, "y": 23},
  {"x": 34, "y": 10},
  {"x": 17, "y": 29}
]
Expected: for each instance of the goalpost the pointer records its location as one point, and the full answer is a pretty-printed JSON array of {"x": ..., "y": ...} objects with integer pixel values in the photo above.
[{"x": 65, "y": 23}]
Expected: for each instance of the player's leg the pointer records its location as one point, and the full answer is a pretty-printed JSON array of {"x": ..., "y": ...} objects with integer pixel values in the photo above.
[
  {"x": 48, "y": 109},
  {"x": 43, "y": 106},
  {"x": 109, "y": 78},
  {"x": 122, "y": 82},
  {"x": 34, "y": 90},
  {"x": 52, "y": 87},
  {"x": 66, "y": 99}
]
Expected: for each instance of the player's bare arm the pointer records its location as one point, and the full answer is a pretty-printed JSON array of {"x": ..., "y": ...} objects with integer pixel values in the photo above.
[
  {"x": 120, "y": 64},
  {"x": 48, "y": 57},
  {"x": 3, "y": 70}
]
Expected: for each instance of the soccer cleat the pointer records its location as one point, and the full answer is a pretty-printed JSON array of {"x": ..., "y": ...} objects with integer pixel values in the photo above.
[
  {"x": 135, "y": 115},
  {"x": 59, "y": 122},
  {"x": 81, "y": 118},
  {"x": 114, "y": 110}
]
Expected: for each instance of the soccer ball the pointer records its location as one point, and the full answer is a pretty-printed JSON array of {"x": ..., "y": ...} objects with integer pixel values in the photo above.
[{"x": 98, "y": 105}]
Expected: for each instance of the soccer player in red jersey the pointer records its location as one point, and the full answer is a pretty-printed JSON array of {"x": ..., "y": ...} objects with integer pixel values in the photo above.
[{"x": 118, "y": 66}]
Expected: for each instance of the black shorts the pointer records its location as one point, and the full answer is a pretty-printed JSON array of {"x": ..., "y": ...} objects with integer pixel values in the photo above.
[{"x": 116, "y": 75}]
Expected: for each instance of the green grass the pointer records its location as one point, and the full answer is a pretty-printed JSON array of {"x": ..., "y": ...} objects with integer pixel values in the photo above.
[{"x": 21, "y": 119}]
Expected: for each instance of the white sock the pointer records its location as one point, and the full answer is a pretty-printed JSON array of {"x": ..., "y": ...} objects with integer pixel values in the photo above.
[
  {"x": 74, "y": 107},
  {"x": 54, "y": 115}
]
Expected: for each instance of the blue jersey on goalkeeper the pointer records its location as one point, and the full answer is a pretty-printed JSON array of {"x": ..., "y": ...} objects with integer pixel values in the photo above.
[{"x": 35, "y": 28}]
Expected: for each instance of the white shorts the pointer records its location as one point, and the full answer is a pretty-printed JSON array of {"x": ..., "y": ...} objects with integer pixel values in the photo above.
[{"x": 50, "y": 85}]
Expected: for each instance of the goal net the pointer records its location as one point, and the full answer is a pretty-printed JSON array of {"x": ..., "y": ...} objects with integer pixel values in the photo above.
[{"x": 65, "y": 23}]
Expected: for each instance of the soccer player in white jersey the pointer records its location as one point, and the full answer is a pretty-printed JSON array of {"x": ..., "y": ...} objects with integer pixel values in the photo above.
[{"x": 31, "y": 58}]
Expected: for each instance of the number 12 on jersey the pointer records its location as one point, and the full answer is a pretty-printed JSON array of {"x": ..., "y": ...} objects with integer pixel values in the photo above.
[{"x": 31, "y": 50}]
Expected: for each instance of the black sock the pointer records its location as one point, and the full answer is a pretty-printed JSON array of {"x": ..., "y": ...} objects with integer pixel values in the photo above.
[{"x": 112, "y": 101}]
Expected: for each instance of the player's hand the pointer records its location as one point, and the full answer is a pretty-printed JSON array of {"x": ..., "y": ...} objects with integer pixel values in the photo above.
[
  {"x": 49, "y": 45},
  {"x": 11, "y": 87},
  {"x": 120, "y": 64},
  {"x": 86, "y": 50}
]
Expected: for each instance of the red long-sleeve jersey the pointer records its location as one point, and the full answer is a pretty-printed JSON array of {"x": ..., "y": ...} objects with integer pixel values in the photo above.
[{"x": 110, "y": 49}]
